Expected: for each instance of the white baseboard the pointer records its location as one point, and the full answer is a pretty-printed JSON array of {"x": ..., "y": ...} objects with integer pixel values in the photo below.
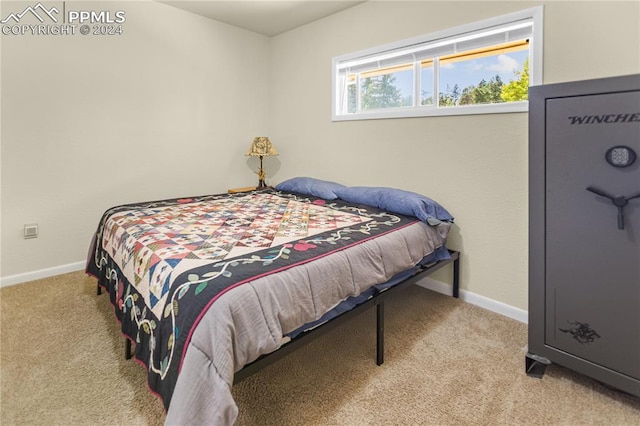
[
  {"x": 475, "y": 299},
  {"x": 42, "y": 273},
  {"x": 429, "y": 283}
]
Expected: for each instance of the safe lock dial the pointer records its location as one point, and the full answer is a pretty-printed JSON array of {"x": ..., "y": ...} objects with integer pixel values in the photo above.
[
  {"x": 620, "y": 156},
  {"x": 618, "y": 200}
]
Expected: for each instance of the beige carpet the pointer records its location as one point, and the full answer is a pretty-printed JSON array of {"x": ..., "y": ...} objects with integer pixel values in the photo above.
[{"x": 447, "y": 363}]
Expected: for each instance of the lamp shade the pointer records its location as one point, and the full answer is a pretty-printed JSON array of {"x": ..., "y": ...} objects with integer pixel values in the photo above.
[{"x": 261, "y": 147}]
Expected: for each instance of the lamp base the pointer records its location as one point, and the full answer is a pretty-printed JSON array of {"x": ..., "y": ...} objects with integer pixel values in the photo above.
[{"x": 261, "y": 175}]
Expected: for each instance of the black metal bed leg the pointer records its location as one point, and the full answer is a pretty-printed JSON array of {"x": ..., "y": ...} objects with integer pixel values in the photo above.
[
  {"x": 127, "y": 348},
  {"x": 380, "y": 332},
  {"x": 456, "y": 276},
  {"x": 98, "y": 290}
]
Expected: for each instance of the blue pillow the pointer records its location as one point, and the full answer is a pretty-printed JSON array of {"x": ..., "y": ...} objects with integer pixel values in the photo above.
[
  {"x": 310, "y": 186},
  {"x": 396, "y": 201}
]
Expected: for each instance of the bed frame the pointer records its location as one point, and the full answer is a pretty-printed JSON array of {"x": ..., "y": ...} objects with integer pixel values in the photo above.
[{"x": 376, "y": 300}]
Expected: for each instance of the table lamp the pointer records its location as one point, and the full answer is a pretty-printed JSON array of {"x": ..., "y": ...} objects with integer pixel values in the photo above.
[{"x": 261, "y": 147}]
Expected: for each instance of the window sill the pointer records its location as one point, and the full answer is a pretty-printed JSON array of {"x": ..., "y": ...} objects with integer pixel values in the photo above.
[{"x": 436, "y": 112}]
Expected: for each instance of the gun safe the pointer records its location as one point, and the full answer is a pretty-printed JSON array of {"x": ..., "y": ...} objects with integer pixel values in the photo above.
[{"x": 584, "y": 229}]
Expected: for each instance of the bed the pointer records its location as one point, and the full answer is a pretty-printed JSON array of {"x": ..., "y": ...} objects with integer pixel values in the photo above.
[{"x": 211, "y": 288}]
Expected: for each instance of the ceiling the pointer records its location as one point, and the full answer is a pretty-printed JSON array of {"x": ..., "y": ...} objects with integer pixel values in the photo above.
[{"x": 264, "y": 16}]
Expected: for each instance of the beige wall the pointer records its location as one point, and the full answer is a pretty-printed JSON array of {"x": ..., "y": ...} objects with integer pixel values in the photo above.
[
  {"x": 475, "y": 165},
  {"x": 167, "y": 109},
  {"x": 184, "y": 94}
]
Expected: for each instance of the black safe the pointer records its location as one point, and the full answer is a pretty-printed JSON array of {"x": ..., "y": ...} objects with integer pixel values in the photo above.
[{"x": 584, "y": 229}]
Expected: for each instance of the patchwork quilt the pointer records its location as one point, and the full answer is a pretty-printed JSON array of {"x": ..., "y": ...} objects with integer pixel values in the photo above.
[{"x": 165, "y": 263}]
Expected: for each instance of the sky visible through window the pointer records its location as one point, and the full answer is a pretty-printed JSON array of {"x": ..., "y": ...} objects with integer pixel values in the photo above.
[{"x": 471, "y": 72}]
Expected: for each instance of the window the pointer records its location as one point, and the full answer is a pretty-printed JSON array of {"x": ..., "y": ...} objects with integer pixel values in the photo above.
[{"x": 480, "y": 68}]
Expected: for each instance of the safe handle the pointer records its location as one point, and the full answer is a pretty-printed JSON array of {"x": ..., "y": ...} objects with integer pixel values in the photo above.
[
  {"x": 618, "y": 200},
  {"x": 600, "y": 192}
]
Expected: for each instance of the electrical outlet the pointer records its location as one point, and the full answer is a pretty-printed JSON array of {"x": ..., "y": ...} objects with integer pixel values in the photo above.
[{"x": 31, "y": 230}]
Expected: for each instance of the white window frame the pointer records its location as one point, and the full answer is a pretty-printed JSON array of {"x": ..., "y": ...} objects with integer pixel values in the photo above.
[{"x": 535, "y": 15}]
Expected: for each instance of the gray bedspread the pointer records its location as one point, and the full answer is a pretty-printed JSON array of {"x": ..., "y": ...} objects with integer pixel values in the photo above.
[{"x": 251, "y": 319}]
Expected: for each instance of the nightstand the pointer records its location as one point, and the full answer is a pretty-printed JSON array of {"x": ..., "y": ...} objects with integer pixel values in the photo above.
[{"x": 237, "y": 190}]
